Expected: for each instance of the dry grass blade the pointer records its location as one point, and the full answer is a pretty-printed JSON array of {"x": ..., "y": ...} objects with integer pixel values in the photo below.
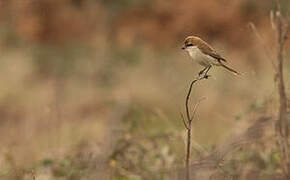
[
  {"x": 196, "y": 106},
  {"x": 266, "y": 49}
]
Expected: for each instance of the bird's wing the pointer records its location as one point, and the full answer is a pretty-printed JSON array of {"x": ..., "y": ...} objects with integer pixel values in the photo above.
[{"x": 207, "y": 49}]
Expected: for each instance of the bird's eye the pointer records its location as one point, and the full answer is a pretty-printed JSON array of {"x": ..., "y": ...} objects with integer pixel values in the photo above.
[{"x": 189, "y": 44}]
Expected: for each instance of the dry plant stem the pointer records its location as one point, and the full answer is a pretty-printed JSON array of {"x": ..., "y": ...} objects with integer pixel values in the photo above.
[
  {"x": 268, "y": 51},
  {"x": 281, "y": 124},
  {"x": 188, "y": 122}
]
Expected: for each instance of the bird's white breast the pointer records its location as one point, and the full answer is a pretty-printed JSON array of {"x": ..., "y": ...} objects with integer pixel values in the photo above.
[{"x": 201, "y": 58}]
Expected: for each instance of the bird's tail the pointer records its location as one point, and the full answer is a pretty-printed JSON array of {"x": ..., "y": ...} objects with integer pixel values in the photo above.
[{"x": 231, "y": 70}]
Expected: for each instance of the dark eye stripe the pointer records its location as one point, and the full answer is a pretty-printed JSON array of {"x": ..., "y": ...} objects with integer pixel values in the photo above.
[{"x": 189, "y": 45}]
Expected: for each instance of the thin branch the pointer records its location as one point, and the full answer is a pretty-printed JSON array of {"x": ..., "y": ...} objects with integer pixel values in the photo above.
[
  {"x": 196, "y": 106},
  {"x": 188, "y": 95},
  {"x": 278, "y": 5},
  {"x": 285, "y": 35},
  {"x": 189, "y": 119},
  {"x": 183, "y": 120},
  {"x": 272, "y": 20},
  {"x": 281, "y": 126}
]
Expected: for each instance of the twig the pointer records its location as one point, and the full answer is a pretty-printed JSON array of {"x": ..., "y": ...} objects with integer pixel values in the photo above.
[
  {"x": 183, "y": 120},
  {"x": 189, "y": 119},
  {"x": 196, "y": 106},
  {"x": 281, "y": 125}
]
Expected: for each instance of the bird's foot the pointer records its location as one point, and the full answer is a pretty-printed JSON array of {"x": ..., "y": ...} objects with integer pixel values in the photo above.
[
  {"x": 200, "y": 73},
  {"x": 206, "y": 76}
]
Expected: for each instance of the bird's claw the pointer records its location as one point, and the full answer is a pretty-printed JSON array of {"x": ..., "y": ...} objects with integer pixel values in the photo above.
[
  {"x": 200, "y": 73},
  {"x": 206, "y": 76}
]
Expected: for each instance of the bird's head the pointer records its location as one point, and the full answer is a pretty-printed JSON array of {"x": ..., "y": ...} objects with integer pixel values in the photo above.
[{"x": 191, "y": 42}]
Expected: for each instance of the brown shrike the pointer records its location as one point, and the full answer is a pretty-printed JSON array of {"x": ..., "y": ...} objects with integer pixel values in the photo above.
[{"x": 204, "y": 55}]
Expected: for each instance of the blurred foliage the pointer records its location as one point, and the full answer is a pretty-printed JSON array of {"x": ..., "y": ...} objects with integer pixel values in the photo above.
[
  {"x": 117, "y": 7},
  {"x": 52, "y": 61},
  {"x": 130, "y": 21},
  {"x": 143, "y": 152}
]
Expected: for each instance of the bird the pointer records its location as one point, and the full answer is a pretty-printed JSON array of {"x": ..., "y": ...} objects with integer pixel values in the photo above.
[{"x": 205, "y": 55}]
